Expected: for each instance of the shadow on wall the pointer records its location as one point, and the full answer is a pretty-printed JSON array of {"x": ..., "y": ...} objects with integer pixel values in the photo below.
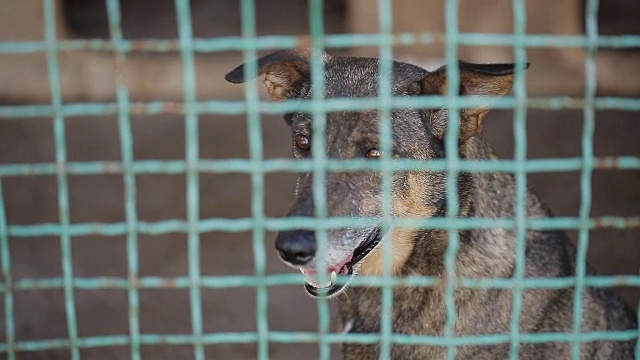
[{"x": 100, "y": 198}]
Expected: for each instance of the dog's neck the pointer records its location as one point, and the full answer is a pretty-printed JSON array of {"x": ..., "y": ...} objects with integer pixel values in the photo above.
[{"x": 483, "y": 195}]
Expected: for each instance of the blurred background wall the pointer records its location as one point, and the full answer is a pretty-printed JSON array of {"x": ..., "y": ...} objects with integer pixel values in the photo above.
[{"x": 89, "y": 76}]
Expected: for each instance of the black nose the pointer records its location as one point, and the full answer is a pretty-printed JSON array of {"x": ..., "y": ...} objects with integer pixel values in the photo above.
[{"x": 296, "y": 247}]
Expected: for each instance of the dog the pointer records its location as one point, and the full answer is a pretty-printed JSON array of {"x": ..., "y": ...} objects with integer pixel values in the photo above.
[{"x": 483, "y": 253}]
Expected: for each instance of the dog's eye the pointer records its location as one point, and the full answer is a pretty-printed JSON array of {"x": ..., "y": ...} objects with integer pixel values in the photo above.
[
  {"x": 374, "y": 153},
  {"x": 302, "y": 142}
]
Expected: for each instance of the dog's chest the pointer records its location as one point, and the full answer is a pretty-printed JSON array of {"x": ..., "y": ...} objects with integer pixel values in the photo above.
[
  {"x": 413, "y": 314},
  {"x": 360, "y": 312},
  {"x": 415, "y": 311},
  {"x": 419, "y": 352}
]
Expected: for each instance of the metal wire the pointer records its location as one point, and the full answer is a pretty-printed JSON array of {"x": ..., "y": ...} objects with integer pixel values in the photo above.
[
  {"x": 453, "y": 158},
  {"x": 520, "y": 155},
  {"x": 588, "y": 131},
  {"x": 126, "y": 150},
  {"x": 61, "y": 174}
]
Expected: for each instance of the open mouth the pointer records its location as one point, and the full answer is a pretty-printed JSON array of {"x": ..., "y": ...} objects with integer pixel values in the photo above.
[{"x": 330, "y": 287}]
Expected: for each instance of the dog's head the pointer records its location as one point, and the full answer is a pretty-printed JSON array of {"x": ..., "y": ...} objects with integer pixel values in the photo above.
[{"x": 417, "y": 134}]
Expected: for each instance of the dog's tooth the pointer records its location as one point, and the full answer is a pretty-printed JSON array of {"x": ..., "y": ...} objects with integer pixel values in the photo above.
[{"x": 312, "y": 279}]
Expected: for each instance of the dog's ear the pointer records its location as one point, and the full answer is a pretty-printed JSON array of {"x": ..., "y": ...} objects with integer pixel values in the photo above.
[
  {"x": 475, "y": 79},
  {"x": 285, "y": 72}
]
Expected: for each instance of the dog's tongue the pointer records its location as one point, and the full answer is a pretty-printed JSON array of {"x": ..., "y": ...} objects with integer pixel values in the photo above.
[{"x": 310, "y": 276}]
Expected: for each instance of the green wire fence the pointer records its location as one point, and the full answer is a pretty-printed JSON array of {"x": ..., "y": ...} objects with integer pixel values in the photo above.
[{"x": 191, "y": 107}]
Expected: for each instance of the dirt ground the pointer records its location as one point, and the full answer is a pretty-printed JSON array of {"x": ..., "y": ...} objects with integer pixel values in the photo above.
[{"x": 30, "y": 200}]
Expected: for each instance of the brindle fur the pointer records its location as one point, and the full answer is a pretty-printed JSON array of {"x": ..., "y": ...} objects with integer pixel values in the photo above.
[{"x": 484, "y": 253}]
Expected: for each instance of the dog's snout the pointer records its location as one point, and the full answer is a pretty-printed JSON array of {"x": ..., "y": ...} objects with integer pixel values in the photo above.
[{"x": 296, "y": 247}]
